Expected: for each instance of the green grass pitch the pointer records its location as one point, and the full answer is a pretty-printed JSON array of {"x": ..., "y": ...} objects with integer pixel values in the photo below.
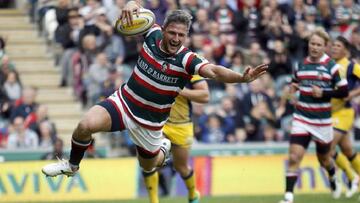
[{"x": 314, "y": 198}]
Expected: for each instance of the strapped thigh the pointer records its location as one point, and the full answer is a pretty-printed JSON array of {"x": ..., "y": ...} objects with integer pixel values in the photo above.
[{"x": 117, "y": 123}]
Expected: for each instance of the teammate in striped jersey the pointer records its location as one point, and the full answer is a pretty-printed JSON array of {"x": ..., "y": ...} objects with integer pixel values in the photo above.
[
  {"x": 142, "y": 105},
  {"x": 317, "y": 79},
  {"x": 343, "y": 115}
]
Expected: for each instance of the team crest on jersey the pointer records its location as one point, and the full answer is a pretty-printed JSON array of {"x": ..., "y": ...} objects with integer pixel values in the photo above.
[
  {"x": 321, "y": 68},
  {"x": 164, "y": 66}
]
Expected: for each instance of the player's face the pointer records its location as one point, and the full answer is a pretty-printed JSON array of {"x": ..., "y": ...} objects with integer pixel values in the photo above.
[
  {"x": 317, "y": 47},
  {"x": 174, "y": 36},
  {"x": 337, "y": 50}
]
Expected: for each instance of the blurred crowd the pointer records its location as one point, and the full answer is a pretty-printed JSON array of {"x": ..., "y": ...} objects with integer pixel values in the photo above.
[{"x": 95, "y": 60}]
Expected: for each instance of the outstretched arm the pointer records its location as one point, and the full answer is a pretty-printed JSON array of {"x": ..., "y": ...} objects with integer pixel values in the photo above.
[{"x": 223, "y": 74}]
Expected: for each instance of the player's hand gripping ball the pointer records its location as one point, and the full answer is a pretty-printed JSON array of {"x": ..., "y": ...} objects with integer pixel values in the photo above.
[{"x": 140, "y": 24}]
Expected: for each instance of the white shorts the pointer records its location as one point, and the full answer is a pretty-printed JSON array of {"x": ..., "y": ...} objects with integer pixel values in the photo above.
[
  {"x": 150, "y": 140},
  {"x": 323, "y": 134}
]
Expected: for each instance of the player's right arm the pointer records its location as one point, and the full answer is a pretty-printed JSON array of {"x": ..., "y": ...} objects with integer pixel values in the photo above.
[{"x": 199, "y": 93}]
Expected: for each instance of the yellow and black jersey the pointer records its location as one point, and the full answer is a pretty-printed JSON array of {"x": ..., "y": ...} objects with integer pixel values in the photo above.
[
  {"x": 351, "y": 72},
  {"x": 181, "y": 110}
]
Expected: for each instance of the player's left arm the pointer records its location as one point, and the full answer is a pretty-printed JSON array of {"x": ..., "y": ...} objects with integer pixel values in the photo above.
[
  {"x": 339, "y": 91},
  {"x": 199, "y": 93},
  {"x": 223, "y": 74}
]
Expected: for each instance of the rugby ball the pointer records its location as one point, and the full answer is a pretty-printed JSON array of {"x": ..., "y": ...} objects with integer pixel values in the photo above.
[{"x": 141, "y": 23}]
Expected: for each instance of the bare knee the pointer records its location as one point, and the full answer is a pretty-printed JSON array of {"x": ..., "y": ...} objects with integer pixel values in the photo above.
[
  {"x": 84, "y": 126},
  {"x": 84, "y": 129},
  {"x": 146, "y": 162},
  {"x": 183, "y": 169},
  {"x": 294, "y": 159}
]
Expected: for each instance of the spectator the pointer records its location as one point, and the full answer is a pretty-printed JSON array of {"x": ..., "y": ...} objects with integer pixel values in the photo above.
[
  {"x": 298, "y": 42},
  {"x": 226, "y": 60},
  {"x": 36, "y": 118},
  {"x": 326, "y": 15},
  {"x": 310, "y": 18},
  {"x": 212, "y": 131},
  {"x": 213, "y": 39},
  {"x": 159, "y": 8},
  {"x": 264, "y": 23},
  {"x": 42, "y": 7},
  {"x": 201, "y": 24},
  {"x": 68, "y": 36},
  {"x": 348, "y": 15},
  {"x": 191, "y": 6},
  {"x": 228, "y": 115},
  {"x": 259, "y": 114},
  {"x": 21, "y": 137},
  {"x": 113, "y": 82},
  {"x": 114, "y": 11},
  {"x": 26, "y": 104},
  {"x": 54, "y": 18},
  {"x": 62, "y": 10},
  {"x": 255, "y": 55},
  {"x": 223, "y": 14},
  {"x": 233, "y": 91},
  {"x": 109, "y": 42},
  {"x": 284, "y": 111},
  {"x": 46, "y": 138},
  {"x": 81, "y": 62},
  {"x": 12, "y": 86},
  {"x": 89, "y": 11},
  {"x": 97, "y": 75},
  {"x": 296, "y": 12},
  {"x": 237, "y": 62},
  {"x": 247, "y": 19},
  {"x": 280, "y": 64},
  {"x": 6, "y": 66}
]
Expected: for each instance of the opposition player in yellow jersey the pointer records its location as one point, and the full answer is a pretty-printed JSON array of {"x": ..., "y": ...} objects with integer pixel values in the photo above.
[
  {"x": 179, "y": 130},
  {"x": 343, "y": 115}
]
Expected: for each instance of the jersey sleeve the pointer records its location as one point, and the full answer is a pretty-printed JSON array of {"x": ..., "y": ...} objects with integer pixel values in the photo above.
[
  {"x": 193, "y": 62},
  {"x": 356, "y": 70},
  {"x": 196, "y": 79},
  {"x": 153, "y": 32},
  {"x": 337, "y": 80},
  {"x": 294, "y": 77}
]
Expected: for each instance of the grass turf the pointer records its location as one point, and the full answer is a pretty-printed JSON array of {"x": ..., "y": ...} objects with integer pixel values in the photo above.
[{"x": 314, "y": 198}]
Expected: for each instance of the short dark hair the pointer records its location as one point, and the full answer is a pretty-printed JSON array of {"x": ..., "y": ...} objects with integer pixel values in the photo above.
[
  {"x": 178, "y": 16},
  {"x": 344, "y": 41}
]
